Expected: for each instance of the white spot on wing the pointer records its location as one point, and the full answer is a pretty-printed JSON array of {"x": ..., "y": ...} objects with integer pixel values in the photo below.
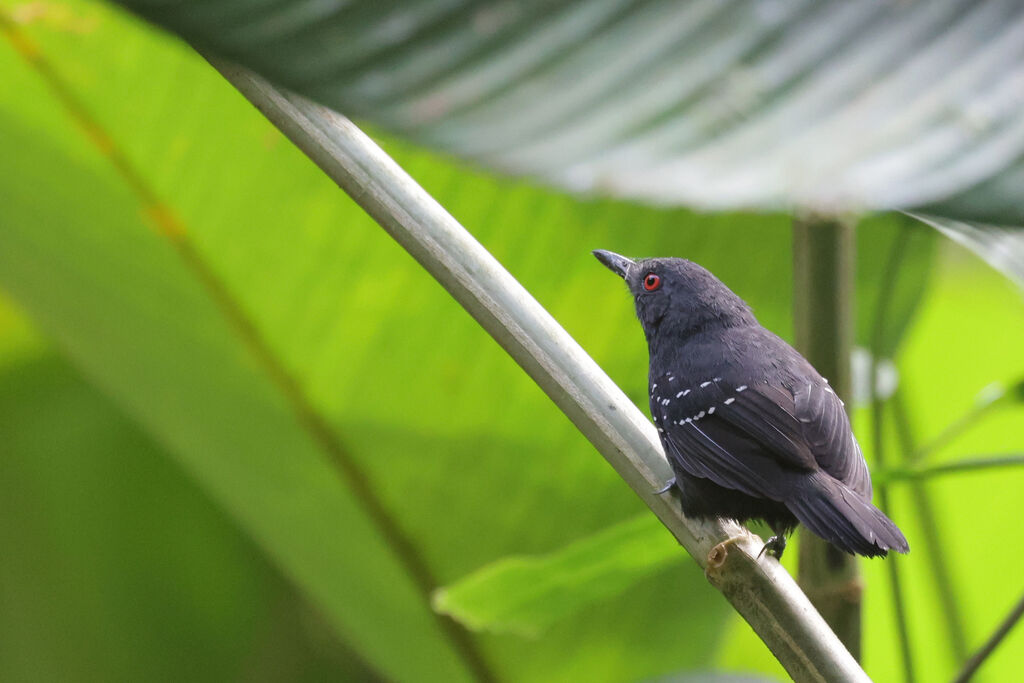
[
  {"x": 728, "y": 401},
  {"x": 704, "y": 384},
  {"x": 711, "y": 410},
  {"x": 740, "y": 388}
]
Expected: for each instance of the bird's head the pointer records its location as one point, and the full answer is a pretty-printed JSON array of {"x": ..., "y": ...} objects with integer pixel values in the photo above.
[{"x": 673, "y": 294}]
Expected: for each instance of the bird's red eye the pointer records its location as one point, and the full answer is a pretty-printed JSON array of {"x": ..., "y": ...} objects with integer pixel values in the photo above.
[{"x": 651, "y": 282}]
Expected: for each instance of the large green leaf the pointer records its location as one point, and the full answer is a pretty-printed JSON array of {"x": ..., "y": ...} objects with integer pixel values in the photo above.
[
  {"x": 122, "y": 306},
  {"x": 115, "y": 567},
  {"x": 528, "y": 594},
  {"x": 827, "y": 106}
]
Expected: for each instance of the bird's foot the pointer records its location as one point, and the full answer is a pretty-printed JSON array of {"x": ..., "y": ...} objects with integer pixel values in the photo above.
[
  {"x": 666, "y": 487},
  {"x": 775, "y": 546}
]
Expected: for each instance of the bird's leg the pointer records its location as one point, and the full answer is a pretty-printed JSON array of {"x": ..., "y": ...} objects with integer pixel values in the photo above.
[
  {"x": 775, "y": 546},
  {"x": 666, "y": 487}
]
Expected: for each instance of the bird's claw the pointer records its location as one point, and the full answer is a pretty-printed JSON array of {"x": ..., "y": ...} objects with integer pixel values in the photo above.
[
  {"x": 666, "y": 487},
  {"x": 775, "y": 546}
]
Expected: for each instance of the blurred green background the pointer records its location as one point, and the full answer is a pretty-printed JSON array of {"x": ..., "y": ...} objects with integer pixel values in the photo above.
[{"x": 165, "y": 515}]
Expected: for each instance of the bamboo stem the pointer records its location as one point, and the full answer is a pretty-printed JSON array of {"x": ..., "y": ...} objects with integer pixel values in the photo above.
[{"x": 823, "y": 279}]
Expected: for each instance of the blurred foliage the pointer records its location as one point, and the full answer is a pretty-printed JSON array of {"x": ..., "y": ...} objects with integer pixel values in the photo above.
[
  {"x": 528, "y": 594},
  {"x": 120, "y": 563},
  {"x": 115, "y": 565}
]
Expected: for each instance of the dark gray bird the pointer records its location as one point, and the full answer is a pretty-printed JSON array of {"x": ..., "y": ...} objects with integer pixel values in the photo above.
[{"x": 751, "y": 429}]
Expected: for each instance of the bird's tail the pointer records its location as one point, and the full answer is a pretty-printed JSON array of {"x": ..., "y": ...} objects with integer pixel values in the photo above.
[{"x": 840, "y": 516}]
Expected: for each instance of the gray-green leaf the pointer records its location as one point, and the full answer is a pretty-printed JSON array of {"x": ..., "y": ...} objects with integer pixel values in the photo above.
[
  {"x": 527, "y": 594},
  {"x": 826, "y": 106}
]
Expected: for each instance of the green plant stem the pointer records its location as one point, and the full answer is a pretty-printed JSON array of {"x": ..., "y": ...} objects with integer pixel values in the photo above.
[
  {"x": 823, "y": 279},
  {"x": 936, "y": 547},
  {"x": 893, "y": 475},
  {"x": 889, "y": 279},
  {"x": 892, "y": 564},
  {"x": 758, "y": 587},
  {"x": 976, "y": 660},
  {"x": 982, "y": 407}
]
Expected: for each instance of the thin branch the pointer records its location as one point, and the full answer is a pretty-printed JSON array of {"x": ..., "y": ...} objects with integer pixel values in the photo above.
[
  {"x": 892, "y": 565},
  {"x": 759, "y": 589},
  {"x": 170, "y": 226},
  {"x": 975, "y": 662},
  {"x": 889, "y": 279},
  {"x": 991, "y": 397},
  {"x": 917, "y": 473},
  {"x": 936, "y": 546}
]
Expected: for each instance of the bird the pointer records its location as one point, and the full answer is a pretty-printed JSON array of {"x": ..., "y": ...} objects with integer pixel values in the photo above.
[{"x": 752, "y": 431}]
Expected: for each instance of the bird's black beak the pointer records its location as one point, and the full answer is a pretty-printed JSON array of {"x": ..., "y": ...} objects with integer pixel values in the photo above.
[{"x": 615, "y": 262}]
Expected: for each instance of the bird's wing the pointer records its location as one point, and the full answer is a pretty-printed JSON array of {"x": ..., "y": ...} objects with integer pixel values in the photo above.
[
  {"x": 752, "y": 438},
  {"x": 826, "y": 428}
]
